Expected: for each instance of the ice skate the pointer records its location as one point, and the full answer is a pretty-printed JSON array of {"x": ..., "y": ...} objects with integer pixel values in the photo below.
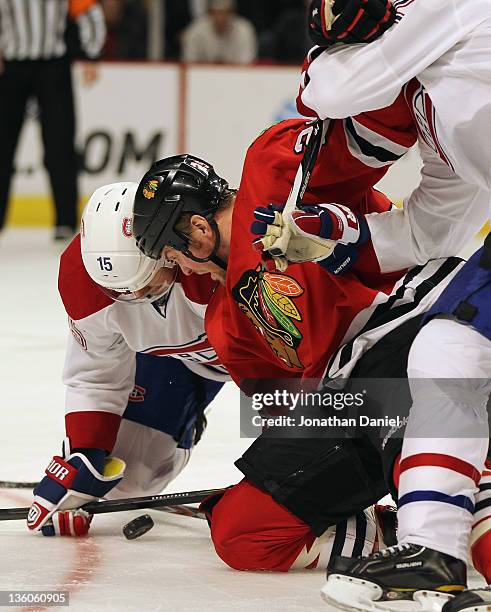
[{"x": 403, "y": 577}]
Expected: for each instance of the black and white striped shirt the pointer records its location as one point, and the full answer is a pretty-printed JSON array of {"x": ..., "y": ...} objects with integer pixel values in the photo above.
[{"x": 35, "y": 29}]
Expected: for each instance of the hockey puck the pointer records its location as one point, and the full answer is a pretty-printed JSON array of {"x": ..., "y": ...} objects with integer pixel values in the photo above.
[{"x": 137, "y": 527}]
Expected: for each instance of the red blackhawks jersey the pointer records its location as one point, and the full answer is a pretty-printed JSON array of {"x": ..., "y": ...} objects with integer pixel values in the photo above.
[
  {"x": 277, "y": 325},
  {"x": 105, "y": 335}
]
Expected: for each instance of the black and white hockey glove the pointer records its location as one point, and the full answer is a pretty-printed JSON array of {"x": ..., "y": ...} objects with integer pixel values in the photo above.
[{"x": 349, "y": 21}]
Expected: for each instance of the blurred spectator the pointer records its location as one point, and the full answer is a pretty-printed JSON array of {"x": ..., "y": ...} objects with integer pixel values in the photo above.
[
  {"x": 126, "y": 22},
  {"x": 178, "y": 14},
  {"x": 220, "y": 36},
  {"x": 35, "y": 64},
  {"x": 288, "y": 40},
  {"x": 262, "y": 13}
]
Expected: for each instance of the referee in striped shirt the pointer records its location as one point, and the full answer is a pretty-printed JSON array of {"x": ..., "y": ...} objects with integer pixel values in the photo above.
[{"x": 35, "y": 63}]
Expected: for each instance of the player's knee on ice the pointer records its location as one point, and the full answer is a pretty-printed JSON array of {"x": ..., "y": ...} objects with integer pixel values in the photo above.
[{"x": 250, "y": 531}]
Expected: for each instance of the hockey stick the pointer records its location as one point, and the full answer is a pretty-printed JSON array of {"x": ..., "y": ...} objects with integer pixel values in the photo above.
[
  {"x": 305, "y": 168},
  {"x": 329, "y": 16},
  {"x": 183, "y": 510},
  {"x": 121, "y": 505},
  {"x": 13, "y": 484},
  {"x": 300, "y": 184}
]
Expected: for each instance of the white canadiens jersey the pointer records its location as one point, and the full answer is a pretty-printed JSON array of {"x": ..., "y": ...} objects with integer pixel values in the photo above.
[
  {"x": 99, "y": 370},
  {"x": 446, "y": 45}
]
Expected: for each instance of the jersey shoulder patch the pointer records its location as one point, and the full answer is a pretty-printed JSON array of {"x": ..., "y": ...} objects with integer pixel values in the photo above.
[{"x": 79, "y": 294}]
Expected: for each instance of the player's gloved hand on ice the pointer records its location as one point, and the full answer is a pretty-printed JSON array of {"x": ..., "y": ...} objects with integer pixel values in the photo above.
[
  {"x": 70, "y": 482},
  {"x": 349, "y": 21},
  {"x": 330, "y": 234},
  {"x": 281, "y": 241}
]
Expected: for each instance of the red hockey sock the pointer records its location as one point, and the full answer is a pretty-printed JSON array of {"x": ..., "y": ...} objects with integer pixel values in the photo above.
[
  {"x": 250, "y": 531},
  {"x": 481, "y": 530},
  {"x": 481, "y": 548}
]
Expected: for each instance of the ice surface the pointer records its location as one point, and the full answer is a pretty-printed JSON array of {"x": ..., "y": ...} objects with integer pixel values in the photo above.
[{"x": 172, "y": 567}]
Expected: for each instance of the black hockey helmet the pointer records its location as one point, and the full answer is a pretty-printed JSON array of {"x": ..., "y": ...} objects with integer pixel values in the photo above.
[{"x": 172, "y": 187}]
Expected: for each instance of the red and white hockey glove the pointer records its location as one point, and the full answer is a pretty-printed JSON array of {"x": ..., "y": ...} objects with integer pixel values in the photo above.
[
  {"x": 329, "y": 234},
  {"x": 70, "y": 482},
  {"x": 282, "y": 242},
  {"x": 349, "y": 21}
]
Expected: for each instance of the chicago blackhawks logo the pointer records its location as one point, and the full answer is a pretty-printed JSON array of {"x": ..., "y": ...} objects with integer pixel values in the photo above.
[
  {"x": 266, "y": 299},
  {"x": 150, "y": 188}
]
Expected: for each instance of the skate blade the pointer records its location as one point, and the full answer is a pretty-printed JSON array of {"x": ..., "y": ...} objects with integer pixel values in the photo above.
[
  {"x": 353, "y": 595},
  {"x": 477, "y": 608},
  {"x": 431, "y": 601}
]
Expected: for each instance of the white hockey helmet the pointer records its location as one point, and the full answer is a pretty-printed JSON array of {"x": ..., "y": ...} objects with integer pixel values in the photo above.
[{"x": 109, "y": 250}]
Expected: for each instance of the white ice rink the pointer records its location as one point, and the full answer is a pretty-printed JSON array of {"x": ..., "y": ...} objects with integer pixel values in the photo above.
[{"x": 174, "y": 566}]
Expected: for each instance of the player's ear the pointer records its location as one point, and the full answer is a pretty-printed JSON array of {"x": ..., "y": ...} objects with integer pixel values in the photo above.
[{"x": 200, "y": 226}]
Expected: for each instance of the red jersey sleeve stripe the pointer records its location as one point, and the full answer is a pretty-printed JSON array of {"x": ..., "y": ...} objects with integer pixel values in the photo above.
[{"x": 92, "y": 429}]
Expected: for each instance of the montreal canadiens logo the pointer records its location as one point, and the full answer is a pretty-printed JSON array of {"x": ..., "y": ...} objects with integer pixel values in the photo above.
[
  {"x": 77, "y": 334},
  {"x": 137, "y": 394},
  {"x": 127, "y": 227},
  {"x": 34, "y": 514}
]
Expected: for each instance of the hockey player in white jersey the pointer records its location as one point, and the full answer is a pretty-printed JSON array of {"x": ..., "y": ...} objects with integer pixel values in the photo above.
[
  {"x": 447, "y": 47},
  {"x": 139, "y": 370}
]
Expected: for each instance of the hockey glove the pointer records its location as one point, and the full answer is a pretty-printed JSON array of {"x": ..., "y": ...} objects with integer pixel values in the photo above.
[
  {"x": 349, "y": 21},
  {"x": 281, "y": 242},
  {"x": 70, "y": 482},
  {"x": 330, "y": 234},
  {"x": 334, "y": 222}
]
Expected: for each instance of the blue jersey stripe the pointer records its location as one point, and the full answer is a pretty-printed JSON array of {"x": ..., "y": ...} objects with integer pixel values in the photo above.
[{"x": 418, "y": 496}]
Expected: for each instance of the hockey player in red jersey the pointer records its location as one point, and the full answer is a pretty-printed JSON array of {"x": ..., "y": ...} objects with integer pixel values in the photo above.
[
  {"x": 270, "y": 326},
  {"x": 344, "y": 174},
  {"x": 139, "y": 369}
]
